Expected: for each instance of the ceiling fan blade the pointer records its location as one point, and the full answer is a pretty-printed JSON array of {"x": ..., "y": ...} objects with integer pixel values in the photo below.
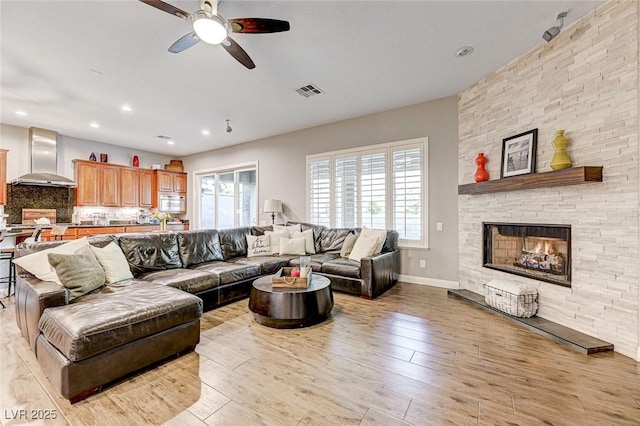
[
  {"x": 166, "y": 7},
  {"x": 238, "y": 52},
  {"x": 185, "y": 42},
  {"x": 258, "y": 25}
]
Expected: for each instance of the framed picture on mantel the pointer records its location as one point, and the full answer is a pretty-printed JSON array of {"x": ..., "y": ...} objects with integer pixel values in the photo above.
[{"x": 519, "y": 154}]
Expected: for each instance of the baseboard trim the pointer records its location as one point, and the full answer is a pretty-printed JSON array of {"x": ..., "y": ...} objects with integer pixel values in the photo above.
[{"x": 433, "y": 282}]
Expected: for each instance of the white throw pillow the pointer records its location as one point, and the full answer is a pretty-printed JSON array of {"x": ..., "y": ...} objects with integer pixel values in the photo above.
[
  {"x": 289, "y": 228},
  {"x": 258, "y": 246},
  {"x": 292, "y": 246},
  {"x": 38, "y": 263},
  {"x": 113, "y": 261},
  {"x": 308, "y": 240},
  {"x": 348, "y": 244},
  {"x": 380, "y": 234},
  {"x": 364, "y": 247},
  {"x": 275, "y": 239}
]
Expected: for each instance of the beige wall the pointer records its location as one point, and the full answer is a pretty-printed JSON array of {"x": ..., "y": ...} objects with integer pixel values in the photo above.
[
  {"x": 282, "y": 163},
  {"x": 584, "y": 81}
]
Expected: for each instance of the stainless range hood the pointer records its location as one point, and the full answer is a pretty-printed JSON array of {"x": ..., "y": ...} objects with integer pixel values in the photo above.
[{"x": 43, "y": 147}]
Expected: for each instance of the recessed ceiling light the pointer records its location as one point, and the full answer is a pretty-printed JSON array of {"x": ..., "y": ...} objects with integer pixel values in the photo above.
[
  {"x": 22, "y": 113},
  {"x": 94, "y": 125},
  {"x": 126, "y": 108},
  {"x": 464, "y": 51},
  {"x": 170, "y": 142},
  {"x": 205, "y": 132}
]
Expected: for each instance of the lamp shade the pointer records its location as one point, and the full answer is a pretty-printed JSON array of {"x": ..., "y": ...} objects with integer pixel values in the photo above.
[{"x": 272, "y": 206}]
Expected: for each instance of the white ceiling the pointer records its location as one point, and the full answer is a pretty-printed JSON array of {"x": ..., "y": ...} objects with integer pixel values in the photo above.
[{"x": 70, "y": 63}]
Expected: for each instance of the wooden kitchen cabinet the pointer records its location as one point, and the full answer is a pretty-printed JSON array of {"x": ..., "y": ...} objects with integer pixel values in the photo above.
[
  {"x": 99, "y": 230},
  {"x": 3, "y": 176},
  {"x": 146, "y": 180},
  {"x": 70, "y": 234},
  {"x": 129, "y": 187},
  {"x": 87, "y": 176},
  {"x": 109, "y": 185},
  {"x": 167, "y": 181}
]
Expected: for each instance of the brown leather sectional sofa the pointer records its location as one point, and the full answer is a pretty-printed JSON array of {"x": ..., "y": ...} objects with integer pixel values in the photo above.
[{"x": 128, "y": 325}]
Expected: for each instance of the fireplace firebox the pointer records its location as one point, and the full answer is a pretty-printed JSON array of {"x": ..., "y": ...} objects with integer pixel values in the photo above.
[{"x": 538, "y": 251}]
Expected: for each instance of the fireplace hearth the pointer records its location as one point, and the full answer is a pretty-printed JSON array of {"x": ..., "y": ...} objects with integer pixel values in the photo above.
[{"x": 538, "y": 251}]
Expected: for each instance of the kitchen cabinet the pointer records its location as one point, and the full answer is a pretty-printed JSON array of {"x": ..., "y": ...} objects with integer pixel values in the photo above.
[
  {"x": 87, "y": 177},
  {"x": 3, "y": 176},
  {"x": 99, "y": 230},
  {"x": 109, "y": 194},
  {"x": 98, "y": 184},
  {"x": 167, "y": 181},
  {"x": 129, "y": 187},
  {"x": 145, "y": 190},
  {"x": 70, "y": 234},
  {"x": 142, "y": 228}
]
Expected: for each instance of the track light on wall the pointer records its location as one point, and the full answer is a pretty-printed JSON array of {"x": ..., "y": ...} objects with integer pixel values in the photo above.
[
  {"x": 552, "y": 32},
  {"x": 229, "y": 129}
]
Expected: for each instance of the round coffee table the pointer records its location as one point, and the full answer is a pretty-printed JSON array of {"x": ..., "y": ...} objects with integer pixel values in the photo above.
[{"x": 291, "y": 307}]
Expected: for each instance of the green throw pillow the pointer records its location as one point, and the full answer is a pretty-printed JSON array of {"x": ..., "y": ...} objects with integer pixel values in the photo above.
[{"x": 80, "y": 272}]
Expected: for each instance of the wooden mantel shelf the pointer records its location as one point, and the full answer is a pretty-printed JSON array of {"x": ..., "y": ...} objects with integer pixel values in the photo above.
[{"x": 571, "y": 176}]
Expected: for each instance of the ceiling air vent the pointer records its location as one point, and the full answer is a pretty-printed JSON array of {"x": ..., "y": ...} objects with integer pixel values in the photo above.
[{"x": 308, "y": 91}]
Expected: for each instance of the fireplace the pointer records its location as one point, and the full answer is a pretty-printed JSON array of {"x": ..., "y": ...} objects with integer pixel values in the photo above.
[{"x": 541, "y": 252}]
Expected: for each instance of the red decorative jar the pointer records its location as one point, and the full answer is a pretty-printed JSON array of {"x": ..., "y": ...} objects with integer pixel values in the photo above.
[
  {"x": 136, "y": 161},
  {"x": 481, "y": 173}
]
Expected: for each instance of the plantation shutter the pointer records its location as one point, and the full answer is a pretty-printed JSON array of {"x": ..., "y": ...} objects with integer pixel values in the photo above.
[
  {"x": 373, "y": 189},
  {"x": 407, "y": 192},
  {"x": 320, "y": 191},
  {"x": 346, "y": 192}
]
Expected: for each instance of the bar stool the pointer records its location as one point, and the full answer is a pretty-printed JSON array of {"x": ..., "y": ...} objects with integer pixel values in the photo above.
[
  {"x": 58, "y": 231},
  {"x": 5, "y": 256},
  {"x": 8, "y": 253}
]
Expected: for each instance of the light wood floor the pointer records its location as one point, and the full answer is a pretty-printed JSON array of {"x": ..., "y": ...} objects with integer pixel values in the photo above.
[{"x": 412, "y": 356}]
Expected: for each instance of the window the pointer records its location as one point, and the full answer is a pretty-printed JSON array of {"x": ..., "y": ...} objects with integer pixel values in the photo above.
[
  {"x": 381, "y": 186},
  {"x": 228, "y": 198}
]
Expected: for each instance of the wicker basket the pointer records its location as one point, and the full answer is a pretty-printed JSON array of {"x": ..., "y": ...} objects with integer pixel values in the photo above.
[{"x": 512, "y": 299}]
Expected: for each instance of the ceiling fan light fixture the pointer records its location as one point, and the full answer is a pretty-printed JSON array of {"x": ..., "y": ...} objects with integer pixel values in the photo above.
[{"x": 211, "y": 29}]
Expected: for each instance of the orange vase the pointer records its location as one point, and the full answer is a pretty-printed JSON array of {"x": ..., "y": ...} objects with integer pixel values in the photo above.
[{"x": 481, "y": 173}]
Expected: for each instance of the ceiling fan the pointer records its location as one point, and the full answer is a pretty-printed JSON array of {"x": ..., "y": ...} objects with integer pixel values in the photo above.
[{"x": 212, "y": 28}]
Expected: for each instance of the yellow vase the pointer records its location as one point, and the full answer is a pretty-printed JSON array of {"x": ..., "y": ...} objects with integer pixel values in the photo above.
[{"x": 560, "y": 158}]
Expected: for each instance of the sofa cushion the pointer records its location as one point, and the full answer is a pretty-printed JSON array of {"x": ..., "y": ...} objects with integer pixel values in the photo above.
[
  {"x": 150, "y": 251},
  {"x": 365, "y": 246},
  {"x": 234, "y": 242},
  {"x": 115, "y": 315},
  {"x": 258, "y": 245},
  {"x": 332, "y": 238},
  {"x": 348, "y": 244},
  {"x": 317, "y": 231},
  {"x": 274, "y": 239},
  {"x": 266, "y": 264},
  {"x": 112, "y": 260},
  {"x": 229, "y": 272},
  {"x": 309, "y": 244},
  {"x": 316, "y": 260},
  {"x": 80, "y": 272},
  {"x": 199, "y": 246},
  {"x": 343, "y": 267},
  {"x": 37, "y": 262},
  {"x": 379, "y": 234},
  {"x": 187, "y": 280}
]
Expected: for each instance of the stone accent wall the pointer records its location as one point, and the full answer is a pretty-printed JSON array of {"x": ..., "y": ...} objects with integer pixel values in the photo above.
[{"x": 586, "y": 82}]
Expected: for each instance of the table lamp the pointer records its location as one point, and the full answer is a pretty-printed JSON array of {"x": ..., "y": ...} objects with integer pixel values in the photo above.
[{"x": 273, "y": 207}]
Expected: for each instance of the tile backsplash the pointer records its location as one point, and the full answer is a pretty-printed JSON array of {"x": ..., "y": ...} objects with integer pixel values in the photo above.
[{"x": 39, "y": 197}]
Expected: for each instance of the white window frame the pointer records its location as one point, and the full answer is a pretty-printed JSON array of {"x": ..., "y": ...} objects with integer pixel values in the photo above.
[
  {"x": 390, "y": 148},
  {"x": 197, "y": 205}
]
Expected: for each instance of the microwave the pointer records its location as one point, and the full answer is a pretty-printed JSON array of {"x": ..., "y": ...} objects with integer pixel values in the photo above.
[{"x": 172, "y": 203}]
